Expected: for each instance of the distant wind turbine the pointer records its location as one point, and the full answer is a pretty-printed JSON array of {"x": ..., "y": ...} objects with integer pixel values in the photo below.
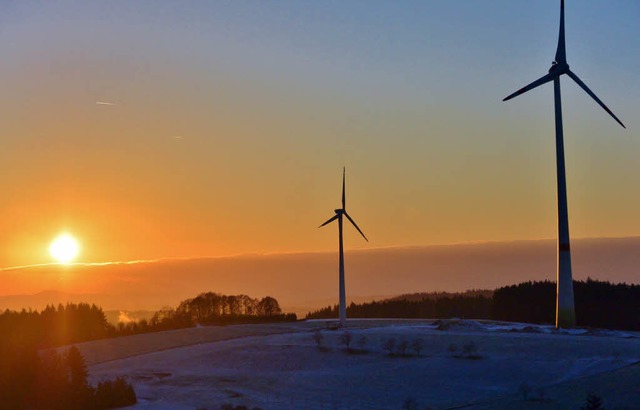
[
  {"x": 565, "y": 311},
  {"x": 339, "y": 214}
]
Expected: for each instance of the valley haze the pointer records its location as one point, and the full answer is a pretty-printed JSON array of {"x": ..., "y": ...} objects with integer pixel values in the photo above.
[{"x": 307, "y": 281}]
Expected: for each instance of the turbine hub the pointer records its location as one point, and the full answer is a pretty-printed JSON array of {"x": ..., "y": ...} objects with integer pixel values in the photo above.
[
  {"x": 338, "y": 211},
  {"x": 558, "y": 68}
]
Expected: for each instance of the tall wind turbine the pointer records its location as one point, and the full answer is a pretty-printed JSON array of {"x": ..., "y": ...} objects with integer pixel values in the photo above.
[
  {"x": 565, "y": 312},
  {"x": 339, "y": 214}
]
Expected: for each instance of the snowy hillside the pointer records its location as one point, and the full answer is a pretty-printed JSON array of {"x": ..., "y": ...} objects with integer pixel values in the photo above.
[{"x": 463, "y": 363}]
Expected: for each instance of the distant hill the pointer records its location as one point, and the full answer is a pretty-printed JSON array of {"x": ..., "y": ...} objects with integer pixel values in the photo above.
[
  {"x": 598, "y": 304},
  {"x": 306, "y": 281},
  {"x": 416, "y": 297}
]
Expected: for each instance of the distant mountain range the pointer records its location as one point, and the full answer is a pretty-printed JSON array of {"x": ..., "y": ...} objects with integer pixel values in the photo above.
[{"x": 307, "y": 281}]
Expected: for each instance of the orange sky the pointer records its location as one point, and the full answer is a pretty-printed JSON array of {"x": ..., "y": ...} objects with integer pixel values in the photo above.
[{"x": 229, "y": 129}]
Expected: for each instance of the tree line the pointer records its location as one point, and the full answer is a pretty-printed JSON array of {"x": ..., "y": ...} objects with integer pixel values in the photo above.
[
  {"x": 54, "y": 326},
  {"x": 34, "y": 378},
  {"x": 215, "y": 309},
  {"x": 73, "y": 323},
  {"x": 477, "y": 307},
  {"x": 598, "y": 304},
  {"x": 50, "y": 380}
]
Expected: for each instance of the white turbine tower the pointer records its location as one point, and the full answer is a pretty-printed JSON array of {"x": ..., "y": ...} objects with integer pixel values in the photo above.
[
  {"x": 339, "y": 214},
  {"x": 565, "y": 312}
]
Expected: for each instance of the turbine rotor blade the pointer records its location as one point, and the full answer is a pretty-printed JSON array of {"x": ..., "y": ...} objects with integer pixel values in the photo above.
[
  {"x": 561, "y": 51},
  {"x": 329, "y": 221},
  {"x": 343, "y": 194},
  {"x": 354, "y": 224},
  {"x": 595, "y": 97},
  {"x": 538, "y": 82}
]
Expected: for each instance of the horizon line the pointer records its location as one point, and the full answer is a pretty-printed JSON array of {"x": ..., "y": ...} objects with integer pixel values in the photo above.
[{"x": 278, "y": 253}]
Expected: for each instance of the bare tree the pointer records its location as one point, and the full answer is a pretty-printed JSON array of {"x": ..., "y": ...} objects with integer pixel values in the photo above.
[
  {"x": 453, "y": 348},
  {"x": 418, "y": 345},
  {"x": 410, "y": 404},
  {"x": 318, "y": 337},
  {"x": 346, "y": 339},
  {"x": 402, "y": 347},
  {"x": 470, "y": 349},
  {"x": 389, "y": 345},
  {"x": 361, "y": 342},
  {"x": 594, "y": 402},
  {"x": 525, "y": 389}
]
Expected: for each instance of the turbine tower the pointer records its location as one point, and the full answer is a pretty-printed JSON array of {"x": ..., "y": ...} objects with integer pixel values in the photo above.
[
  {"x": 565, "y": 312},
  {"x": 339, "y": 214}
]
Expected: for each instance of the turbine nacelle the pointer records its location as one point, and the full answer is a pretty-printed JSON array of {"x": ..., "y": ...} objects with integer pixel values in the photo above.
[
  {"x": 342, "y": 211},
  {"x": 558, "y": 69}
]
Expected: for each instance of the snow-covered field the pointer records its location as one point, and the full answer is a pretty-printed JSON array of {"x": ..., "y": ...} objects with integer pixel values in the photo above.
[{"x": 279, "y": 366}]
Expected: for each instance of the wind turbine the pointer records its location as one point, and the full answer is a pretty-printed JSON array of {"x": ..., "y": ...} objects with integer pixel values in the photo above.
[
  {"x": 565, "y": 311},
  {"x": 339, "y": 214}
]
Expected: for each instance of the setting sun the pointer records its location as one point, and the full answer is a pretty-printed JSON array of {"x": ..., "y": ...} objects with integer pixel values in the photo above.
[{"x": 64, "y": 248}]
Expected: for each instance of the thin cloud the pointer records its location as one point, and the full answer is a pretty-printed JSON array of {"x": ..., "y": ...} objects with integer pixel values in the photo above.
[
  {"x": 105, "y": 103},
  {"x": 82, "y": 264}
]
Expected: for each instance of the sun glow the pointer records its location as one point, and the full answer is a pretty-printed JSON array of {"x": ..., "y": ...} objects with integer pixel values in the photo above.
[{"x": 64, "y": 248}]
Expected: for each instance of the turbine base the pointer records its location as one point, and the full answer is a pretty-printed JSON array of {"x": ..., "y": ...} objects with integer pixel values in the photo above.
[{"x": 566, "y": 319}]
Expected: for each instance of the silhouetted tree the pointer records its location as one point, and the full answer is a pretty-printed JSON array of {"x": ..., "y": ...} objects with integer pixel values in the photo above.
[
  {"x": 345, "y": 339},
  {"x": 361, "y": 342},
  {"x": 318, "y": 337},
  {"x": 594, "y": 402},
  {"x": 402, "y": 347},
  {"x": 410, "y": 404},
  {"x": 77, "y": 367},
  {"x": 452, "y": 349},
  {"x": 418, "y": 345},
  {"x": 525, "y": 389},
  {"x": 268, "y": 306},
  {"x": 115, "y": 393},
  {"x": 470, "y": 349},
  {"x": 81, "y": 394},
  {"x": 389, "y": 345}
]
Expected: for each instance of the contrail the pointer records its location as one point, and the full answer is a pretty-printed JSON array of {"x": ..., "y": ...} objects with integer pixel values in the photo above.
[{"x": 104, "y": 103}]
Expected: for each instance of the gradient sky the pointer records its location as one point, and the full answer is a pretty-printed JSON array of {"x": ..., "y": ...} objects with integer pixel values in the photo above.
[{"x": 229, "y": 122}]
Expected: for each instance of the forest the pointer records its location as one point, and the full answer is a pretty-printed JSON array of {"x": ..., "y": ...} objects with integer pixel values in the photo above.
[
  {"x": 33, "y": 375},
  {"x": 58, "y": 381},
  {"x": 598, "y": 304},
  {"x": 74, "y": 323}
]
